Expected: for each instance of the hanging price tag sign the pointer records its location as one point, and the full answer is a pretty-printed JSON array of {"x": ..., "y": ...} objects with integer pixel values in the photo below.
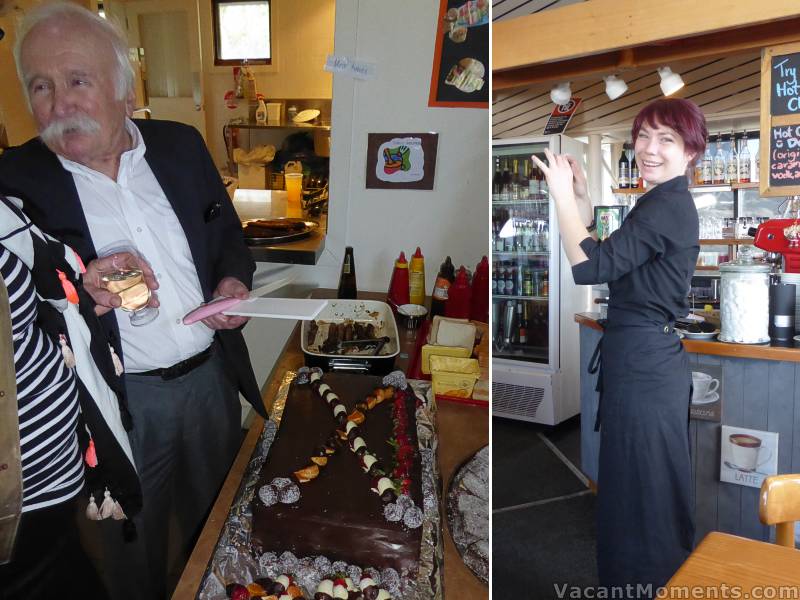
[{"x": 561, "y": 116}]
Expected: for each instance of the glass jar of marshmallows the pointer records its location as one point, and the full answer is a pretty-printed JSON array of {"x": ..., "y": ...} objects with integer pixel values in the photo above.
[{"x": 744, "y": 305}]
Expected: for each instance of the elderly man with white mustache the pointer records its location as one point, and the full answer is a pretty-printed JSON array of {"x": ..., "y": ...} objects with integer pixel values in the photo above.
[{"x": 95, "y": 177}]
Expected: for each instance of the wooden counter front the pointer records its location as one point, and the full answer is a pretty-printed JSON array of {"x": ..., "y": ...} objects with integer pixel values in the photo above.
[
  {"x": 462, "y": 430},
  {"x": 758, "y": 389},
  {"x": 715, "y": 348}
]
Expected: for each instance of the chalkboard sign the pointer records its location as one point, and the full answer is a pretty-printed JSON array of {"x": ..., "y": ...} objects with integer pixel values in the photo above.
[
  {"x": 784, "y": 155},
  {"x": 779, "y": 150},
  {"x": 785, "y": 91}
]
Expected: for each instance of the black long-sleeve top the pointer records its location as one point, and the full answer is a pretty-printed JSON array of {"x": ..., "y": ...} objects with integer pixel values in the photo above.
[{"x": 648, "y": 262}]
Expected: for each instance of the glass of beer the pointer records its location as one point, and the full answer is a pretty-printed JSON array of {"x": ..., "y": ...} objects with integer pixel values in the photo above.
[
  {"x": 125, "y": 279},
  {"x": 294, "y": 193}
]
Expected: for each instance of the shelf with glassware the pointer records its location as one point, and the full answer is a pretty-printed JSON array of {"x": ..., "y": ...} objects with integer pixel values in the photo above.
[{"x": 722, "y": 208}]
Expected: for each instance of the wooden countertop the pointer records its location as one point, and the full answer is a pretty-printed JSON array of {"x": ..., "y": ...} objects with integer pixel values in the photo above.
[
  {"x": 462, "y": 430},
  {"x": 748, "y": 568},
  {"x": 716, "y": 348}
]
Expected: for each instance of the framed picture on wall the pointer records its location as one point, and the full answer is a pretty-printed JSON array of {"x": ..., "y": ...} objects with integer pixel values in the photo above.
[
  {"x": 460, "y": 75},
  {"x": 401, "y": 160},
  {"x": 747, "y": 456}
]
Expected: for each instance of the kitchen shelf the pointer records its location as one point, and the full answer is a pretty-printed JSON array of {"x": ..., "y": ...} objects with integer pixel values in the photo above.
[
  {"x": 515, "y": 253},
  {"x": 281, "y": 125},
  {"x": 504, "y": 297},
  {"x": 706, "y": 268}
]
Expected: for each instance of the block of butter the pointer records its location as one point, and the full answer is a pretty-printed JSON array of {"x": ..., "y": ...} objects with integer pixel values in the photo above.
[
  {"x": 452, "y": 332},
  {"x": 452, "y": 376},
  {"x": 429, "y": 350}
]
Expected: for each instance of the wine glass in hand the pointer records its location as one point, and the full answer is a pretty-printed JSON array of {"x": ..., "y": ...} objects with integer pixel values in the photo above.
[{"x": 123, "y": 276}]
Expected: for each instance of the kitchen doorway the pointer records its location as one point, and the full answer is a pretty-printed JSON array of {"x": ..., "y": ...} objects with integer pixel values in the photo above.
[{"x": 167, "y": 35}]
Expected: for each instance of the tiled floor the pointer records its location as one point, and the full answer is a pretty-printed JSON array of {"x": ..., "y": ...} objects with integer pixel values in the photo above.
[{"x": 543, "y": 521}]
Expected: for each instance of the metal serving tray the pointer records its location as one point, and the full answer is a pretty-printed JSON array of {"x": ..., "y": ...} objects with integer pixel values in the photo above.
[{"x": 360, "y": 311}]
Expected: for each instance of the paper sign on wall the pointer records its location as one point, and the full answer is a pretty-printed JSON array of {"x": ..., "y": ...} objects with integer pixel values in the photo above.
[
  {"x": 747, "y": 456},
  {"x": 347, "y": 65}
]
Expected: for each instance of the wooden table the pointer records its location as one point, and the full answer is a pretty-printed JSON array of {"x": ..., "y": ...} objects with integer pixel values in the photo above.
[
  {"x": 462, "y": 430},
  {"x": 740, "y": 564}
]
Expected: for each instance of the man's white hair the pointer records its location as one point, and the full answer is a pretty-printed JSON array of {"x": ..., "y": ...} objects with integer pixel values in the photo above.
[{"x": 61, "y": 11}]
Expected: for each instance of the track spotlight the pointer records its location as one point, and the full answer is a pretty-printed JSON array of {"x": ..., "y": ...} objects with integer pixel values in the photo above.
[
  {"x": 670, "y": 82},
  {"x": 615, "y": 87},
  {"x": 561, "y": 93}
]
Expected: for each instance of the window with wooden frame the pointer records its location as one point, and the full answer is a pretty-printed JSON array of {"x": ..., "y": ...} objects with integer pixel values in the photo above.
[{"x": 242, "y": 32}]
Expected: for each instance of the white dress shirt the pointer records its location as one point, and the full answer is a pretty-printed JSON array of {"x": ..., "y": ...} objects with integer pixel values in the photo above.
[{"x": 134, "y": 208}]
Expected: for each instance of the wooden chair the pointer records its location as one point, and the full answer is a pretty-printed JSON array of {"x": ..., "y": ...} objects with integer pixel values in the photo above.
[{"x": 779, "y": 505}]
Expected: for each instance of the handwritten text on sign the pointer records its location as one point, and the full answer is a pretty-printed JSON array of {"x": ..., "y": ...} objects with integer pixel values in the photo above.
[
  {"x": 785, "y": 92},
  {"x": 784, "y": 155}
]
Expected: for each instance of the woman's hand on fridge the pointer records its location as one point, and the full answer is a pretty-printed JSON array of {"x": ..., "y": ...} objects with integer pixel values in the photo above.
[
  {"x": 559, "y": 175},
  {"x": 581, "y": 189}
]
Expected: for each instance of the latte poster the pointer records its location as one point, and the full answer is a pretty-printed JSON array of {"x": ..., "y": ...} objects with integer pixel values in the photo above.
[{"x": 747, "y": 456}]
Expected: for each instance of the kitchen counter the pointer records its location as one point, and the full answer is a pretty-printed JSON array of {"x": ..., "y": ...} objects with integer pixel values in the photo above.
[
  {"x": 462, "y": 430},
  {"x": 757, "y": 387},
  {"x": 305, "y": 251},
  {"x": 271, "y": 204}
]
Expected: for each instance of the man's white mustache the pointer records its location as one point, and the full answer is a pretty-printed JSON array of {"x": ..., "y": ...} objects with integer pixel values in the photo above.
[{"x": 77, "y": 124}]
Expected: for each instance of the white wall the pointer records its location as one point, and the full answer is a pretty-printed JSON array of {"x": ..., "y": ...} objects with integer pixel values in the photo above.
[{"x": 451, "y": 219}]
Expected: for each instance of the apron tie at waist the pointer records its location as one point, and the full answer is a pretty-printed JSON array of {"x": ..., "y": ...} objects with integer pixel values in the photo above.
[
  {"x": 596, "y": 366},
  {"x": 596, "y": 361}
]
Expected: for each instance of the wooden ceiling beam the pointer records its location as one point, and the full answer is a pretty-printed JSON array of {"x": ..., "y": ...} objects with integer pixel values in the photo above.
[
  {"x": 603, "y": 26},
  {"x": 724, "y": 43}
]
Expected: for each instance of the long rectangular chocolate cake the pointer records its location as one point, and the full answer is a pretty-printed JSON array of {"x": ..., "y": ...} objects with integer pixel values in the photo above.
[{"x": 349, "y": 446}]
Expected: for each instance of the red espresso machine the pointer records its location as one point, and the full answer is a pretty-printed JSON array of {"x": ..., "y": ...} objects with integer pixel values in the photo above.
[{"x": 783, "y": 237}]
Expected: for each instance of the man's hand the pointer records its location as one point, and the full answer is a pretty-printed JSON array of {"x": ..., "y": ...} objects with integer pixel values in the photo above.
[
  {"x": 105, "y": 300},
  {"x": 229, "y": 287}
]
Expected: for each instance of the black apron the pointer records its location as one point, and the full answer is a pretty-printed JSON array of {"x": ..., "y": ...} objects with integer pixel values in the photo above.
[{"x": 645, "y": 526}]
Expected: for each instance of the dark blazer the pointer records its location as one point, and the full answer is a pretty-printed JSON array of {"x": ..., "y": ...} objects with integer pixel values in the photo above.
[{"x": 183, "y": 167}]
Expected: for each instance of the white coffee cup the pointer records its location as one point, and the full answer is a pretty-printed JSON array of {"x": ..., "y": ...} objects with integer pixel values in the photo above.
[
  {"x": 745, "y": 451},
  {"x": 703, "y": 385}
]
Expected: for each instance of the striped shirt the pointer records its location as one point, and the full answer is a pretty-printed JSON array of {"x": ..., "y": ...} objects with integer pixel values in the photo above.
[{"x": 47, "y": 397}]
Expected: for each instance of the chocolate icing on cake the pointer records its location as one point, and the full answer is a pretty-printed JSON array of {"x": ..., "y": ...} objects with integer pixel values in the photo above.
[{"x": 338, "y": 515}]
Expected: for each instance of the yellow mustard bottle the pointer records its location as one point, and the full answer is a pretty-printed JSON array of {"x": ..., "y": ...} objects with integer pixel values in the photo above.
[{"x": 416, "y": 278}]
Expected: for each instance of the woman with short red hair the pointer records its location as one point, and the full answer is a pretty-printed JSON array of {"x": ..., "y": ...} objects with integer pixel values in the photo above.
[{"x": 645, "y": 527}]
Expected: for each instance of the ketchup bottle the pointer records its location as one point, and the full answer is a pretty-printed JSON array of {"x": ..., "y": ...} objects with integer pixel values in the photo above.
[
  {"x": 398, "y": 286},
  {"x": 458, "y": 297},
  {"x": 479, "y": 305}
]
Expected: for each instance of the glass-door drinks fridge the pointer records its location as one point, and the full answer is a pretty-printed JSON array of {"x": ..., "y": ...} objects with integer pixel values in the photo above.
[{"x": 535, "y": 364}]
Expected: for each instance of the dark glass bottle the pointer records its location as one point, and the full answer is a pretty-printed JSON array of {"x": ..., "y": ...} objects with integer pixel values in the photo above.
[
  {"x": 347, "y": 279},
  {"x": 623, "y": 171},
  {"x": 445, "y": 278},
  {"x": 634, "y": 183}
]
